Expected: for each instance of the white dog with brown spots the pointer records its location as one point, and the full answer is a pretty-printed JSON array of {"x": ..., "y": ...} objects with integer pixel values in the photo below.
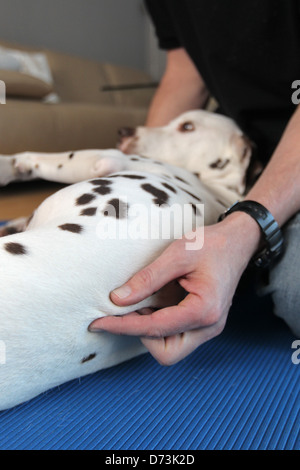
[{"x": 92, "y": 236}]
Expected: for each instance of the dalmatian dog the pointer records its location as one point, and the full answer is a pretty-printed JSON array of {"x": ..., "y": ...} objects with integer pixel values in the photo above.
[{"x": 119, "y": 213}]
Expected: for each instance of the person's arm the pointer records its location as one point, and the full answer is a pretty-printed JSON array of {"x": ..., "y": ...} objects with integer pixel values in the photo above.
[
  {"x": 210, "y": 276},
  {"x": 278, "y": 188},
  {"x": 181, "y": 89}
]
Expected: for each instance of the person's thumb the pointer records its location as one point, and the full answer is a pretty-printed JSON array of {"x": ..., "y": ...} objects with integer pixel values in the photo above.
[{"x": 150, "y": 279}]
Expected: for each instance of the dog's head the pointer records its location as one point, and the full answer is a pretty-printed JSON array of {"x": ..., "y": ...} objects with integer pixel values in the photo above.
[{"x": 205, "y": 143}]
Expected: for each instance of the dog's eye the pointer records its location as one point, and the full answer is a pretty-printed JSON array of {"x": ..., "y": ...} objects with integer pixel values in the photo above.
[{"x": 187, "y": 126}]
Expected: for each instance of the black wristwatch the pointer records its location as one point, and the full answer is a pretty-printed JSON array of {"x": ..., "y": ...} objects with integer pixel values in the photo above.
[{"x": 273, "y": 239}]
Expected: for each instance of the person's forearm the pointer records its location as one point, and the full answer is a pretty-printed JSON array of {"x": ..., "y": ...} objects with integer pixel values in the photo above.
[
  {"x": 278, "y": 189},
  {"x": 181, "y": 89}
]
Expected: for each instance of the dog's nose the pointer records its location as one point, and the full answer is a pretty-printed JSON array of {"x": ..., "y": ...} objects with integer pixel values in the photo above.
[{"x": 126, "y": 132}]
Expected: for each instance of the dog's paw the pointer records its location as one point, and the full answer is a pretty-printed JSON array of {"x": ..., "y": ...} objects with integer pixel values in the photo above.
[
  {"x": 24, "y": 164},
  {"x": 108, "y": 165}
]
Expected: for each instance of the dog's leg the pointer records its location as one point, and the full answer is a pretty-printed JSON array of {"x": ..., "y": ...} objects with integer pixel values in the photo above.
[{"x": 69, "y": 167}]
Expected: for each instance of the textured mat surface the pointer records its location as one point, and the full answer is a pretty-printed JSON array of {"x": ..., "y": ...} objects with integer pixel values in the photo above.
[{"x": 238, "y": 391}]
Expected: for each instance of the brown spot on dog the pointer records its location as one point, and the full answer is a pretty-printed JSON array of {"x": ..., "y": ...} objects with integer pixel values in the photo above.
[
  {"x": 71, "y": 155},
  {"x": 59, "y": 166},
  {"x": 168, "y": 186},
  {"x": 101, "y": 186},
  {"x": 161, "y": 197},
  {"x": 88, "y": 358},
  {"x": 196, "y": 210},
  {"x": 181, "y": 179},
  {"x": 103, "y": 190},
  {"x": 191, "y": 194},
  {"x": 15, "y": 248},
  {"x": 133, "y": 159},
  {"x": 84, "y": 199},
  {"x": 89, "y": 211},
  {"x": 134, "y": 177},
  {"x": 100, "y": 182},
  {"x": 74, "y": 228},
  {"x": 36, "y": 166},
  {"x": 116, "y": 208},
  {"x": 219, "y": 164}
]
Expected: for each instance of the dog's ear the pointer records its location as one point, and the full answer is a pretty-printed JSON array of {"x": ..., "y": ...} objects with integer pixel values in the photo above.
[
  {"x": 247, "y": 151},
  {"x": 242, "y": 147}
]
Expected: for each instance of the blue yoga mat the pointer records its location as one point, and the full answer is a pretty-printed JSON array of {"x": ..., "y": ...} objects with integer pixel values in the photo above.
[{"x": 238, "y": 391}]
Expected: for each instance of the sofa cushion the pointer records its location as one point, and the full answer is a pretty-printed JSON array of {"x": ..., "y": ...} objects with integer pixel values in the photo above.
[
  {"x": 33, "y": 125},
  {"x": 77, "y": 79},
  {"x": 19, "y": 84},
  {"x": 81, "y": 80}
]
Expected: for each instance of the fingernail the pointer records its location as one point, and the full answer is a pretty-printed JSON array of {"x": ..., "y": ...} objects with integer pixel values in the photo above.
[
  {"x": 94, "y": 329},
  {"x": 122, "y": 292}
]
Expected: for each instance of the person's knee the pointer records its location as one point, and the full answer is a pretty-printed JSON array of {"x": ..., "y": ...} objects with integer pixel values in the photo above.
[
  {"x": 286, "y": 299},
  {"x": 285, "y": 279}
]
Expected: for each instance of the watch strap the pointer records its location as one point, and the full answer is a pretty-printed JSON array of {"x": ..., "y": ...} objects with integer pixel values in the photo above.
[{"x": 272, "y": 235}]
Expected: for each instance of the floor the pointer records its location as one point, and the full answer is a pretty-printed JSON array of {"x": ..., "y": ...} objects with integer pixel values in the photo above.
[
  {"x": 20, "y": 199},
  {"x": 238, "y": 391}
]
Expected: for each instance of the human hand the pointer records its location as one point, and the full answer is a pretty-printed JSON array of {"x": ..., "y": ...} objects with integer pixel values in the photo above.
[{"x": 209, "y": 276}]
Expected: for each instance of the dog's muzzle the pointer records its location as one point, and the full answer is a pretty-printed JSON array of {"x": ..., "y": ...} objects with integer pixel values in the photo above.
[{"x": 124, "y": 135}]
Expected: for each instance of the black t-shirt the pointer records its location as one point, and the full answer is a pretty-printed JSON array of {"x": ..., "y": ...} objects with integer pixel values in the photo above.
[{"x": 248, "y": 53}]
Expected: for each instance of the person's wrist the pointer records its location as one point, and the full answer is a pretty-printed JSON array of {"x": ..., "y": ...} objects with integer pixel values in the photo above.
[{"x": 243, "y": 234}]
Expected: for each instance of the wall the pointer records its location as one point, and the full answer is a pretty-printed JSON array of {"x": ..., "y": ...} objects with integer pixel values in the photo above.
[{"x": 105, "y": 30}]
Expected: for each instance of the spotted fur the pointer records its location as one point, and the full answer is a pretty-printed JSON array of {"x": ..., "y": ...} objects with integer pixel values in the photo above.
[
  {"x": 161, "y": 197},
  {"x": 90, "y": 211},
  {"x": 88, "y": 358},
  {"x": 101, "y": 182},
  {"x": 74, "y": 228},
  {"x": 219, "y": 164},
  {"x": 168, "y": 186},
  {"x": 102, "y": 190},
  {"x": 84, "y": 199},
  {"x": 15, "y": 248},
  {"x": 116, "y": 208}
]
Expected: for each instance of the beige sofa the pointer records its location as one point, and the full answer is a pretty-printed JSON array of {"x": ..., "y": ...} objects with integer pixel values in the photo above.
[{"x": 84, "y": 117}]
